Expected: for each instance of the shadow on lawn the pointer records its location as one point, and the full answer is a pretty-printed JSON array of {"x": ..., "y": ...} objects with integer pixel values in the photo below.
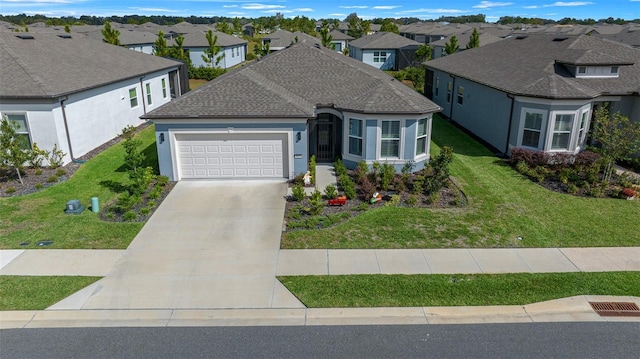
[{"x": 448, "y": 133}]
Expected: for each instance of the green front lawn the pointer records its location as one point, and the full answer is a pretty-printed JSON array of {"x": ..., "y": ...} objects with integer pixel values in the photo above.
[
  {"x": 503, "y": 205},
  {"x": 455, "y": 289},
  {"x": 40, "y": 216},
  {"x": 38, "y": 293}
]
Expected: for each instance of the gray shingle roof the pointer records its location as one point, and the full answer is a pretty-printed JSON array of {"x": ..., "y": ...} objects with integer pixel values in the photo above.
[
  {"x": 49, "y": 66},
  {"x": 284, "y": 38},
  {"x": 383, "y": 40},
  {"x": 290, "y": 82},
  {"x": 199, "y": 39},
  {"x": 531, "y": 66}
]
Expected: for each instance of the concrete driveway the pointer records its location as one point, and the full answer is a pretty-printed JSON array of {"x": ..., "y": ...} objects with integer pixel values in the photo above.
[{"x": 210, "y": 244}]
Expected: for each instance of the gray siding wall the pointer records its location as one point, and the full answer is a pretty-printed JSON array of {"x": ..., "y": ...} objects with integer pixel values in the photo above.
[
  {"x": 299, "y": 147},
  {"x": 371, "y": 147},
  {"x": 485, "y": 111}
]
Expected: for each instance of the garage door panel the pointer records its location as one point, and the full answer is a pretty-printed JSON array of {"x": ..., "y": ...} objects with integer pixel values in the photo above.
[{"x": 231, "y": 155}]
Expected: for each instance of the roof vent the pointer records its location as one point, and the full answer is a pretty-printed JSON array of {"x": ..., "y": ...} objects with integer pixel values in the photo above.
[
  {"x": 25, "y": 36},
  {"x": 64, "y": 36},
  {"x": 558, "y": 39}
]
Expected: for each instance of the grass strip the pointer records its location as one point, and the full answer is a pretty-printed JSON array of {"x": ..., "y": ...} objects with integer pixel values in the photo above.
[
  {"x": 455, "y": 289},
  {"x": 38, "y": 293},
  {"x": 40, "y": 216}
]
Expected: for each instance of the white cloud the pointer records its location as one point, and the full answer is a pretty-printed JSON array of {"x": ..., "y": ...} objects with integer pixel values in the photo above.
[
  {"x": 386, "y": 7},
  {"x": 31, "y": 2},
  {"x": 572, "y": 3},
  {"x": 531, "y": 7},
  {"x": 433, "y": 11},
  {"x": 228, "y": 6},
  {"x": 337, "y": 14},
  {"x": 490, "y": 4},
  {"x": 278, "y": 11},
  {"x": 238, "y": 13},
  {"x": 261, "y": 7},
  {"x": 152, "y": 9},
  {"x": 354, "y": 7},
  {"x": 303, "y": 9}
]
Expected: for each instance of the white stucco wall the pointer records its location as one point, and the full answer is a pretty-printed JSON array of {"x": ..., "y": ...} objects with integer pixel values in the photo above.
[
  {"x": 234, "y": 55},
  {"x": 144, "y": 48},
  {"x": 93, "y": 117}
]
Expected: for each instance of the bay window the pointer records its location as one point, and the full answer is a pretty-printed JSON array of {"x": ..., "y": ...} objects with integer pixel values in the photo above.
[
  {"x": 390, "y": 139},
  {"x": 355, "y": 137}
]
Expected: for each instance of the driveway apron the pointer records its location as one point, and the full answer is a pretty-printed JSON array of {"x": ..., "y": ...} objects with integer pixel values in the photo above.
[{"x": 210, "y": 244}]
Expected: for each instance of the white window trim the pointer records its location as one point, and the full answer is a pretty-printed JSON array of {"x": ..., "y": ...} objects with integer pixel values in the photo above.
[
  {"x": 545, "y": 120},
  {"x": 134, "y": 97},
  {"x": 164, "y": 88},
  {"x": 422, "y": 156},
  {"x": 147, "y": 89},
  {"x": 26, "y": 124},
  {"x": 581, "y": 140},
  {"x": 361, "y": 138},
  {"x": 400, "y": 142},
  {"x": 572, "y": 134}
]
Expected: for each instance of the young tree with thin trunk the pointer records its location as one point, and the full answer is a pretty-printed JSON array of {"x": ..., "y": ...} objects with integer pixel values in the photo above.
[
  {"x": 452, "y": 45},
  {"x": 474, "y": 40},
  {"x": 617, "y": 137},
  {"x": 178, "y": 52},
  {"x": 14, "y": 150},
  {"x": 211, "y": 56},
  {"x": 325, "y": 37},
  {"x": 111, "y": 35},
  {"x": 160, "y": 47},
  {"x": 423, "y": 53}
]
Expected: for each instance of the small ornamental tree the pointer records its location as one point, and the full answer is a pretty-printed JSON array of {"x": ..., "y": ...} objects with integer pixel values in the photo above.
[
  {"x": 211, "y": 54},
  {"x": 452, "y": 45},
  {"x": 617, "y": 137},
  {"x": 14, "y": 150},
  {"x": 423, "y": 53},
  {"x": 160, "y": 47},
  {"x": 110, "y": 34},
  {"x": 474, "y": 40},
  {"x": 325, "y": 37}
]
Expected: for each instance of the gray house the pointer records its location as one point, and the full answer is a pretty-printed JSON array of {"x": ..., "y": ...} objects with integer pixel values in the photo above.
[
  {"x": 384, "y": 50},
  {"x": 266, "y": 119},
  {"x": 536, "y": 91}
]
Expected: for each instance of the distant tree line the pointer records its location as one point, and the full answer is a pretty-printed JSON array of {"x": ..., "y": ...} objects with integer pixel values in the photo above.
[{"x": 299, "y": 23}]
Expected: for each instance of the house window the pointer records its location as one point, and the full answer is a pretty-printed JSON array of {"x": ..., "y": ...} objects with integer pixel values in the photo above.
[
  {"x": 532, "y": 129},
  {"x": 19, "y": 121},
  {"x": 582, "y": 129},
  {"x": 437, "y": 85},
  {"x": 379, "y": 56},
  {"x": 614, "y": 69},
  {"x": 449, "y": 89},
  {"x": 561, "y": 137},
  {"x": 133, "y": 97},
  {"x": 164, "y": 88},
  {"x": 390, "y": 139},
  {"x": 355, "y": 137},
  {"x": 460, "y": 95},
  {"x": 582, "y": 70},
  {"x": 421, "y": 141},
  {"x": 148, "y": 86},
  {"x": 233, "y": 53}
]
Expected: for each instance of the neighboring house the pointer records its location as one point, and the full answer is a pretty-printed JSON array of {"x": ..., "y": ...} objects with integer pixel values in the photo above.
[
  {"x": 233, "y": 48},
  {"x": 438, "y": 47},
  {"x": 340, "y": 40},
  {"x": 384, "y": 50},
  {"x": 426, "y": 33},
  {"x": 536, "y": 91},
  {"x": 282, "y": 38},
  {"x": 77, "y": 93},
  {"x": 266, "y": 119}
]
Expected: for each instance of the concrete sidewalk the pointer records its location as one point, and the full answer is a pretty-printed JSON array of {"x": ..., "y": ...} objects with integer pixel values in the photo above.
[{"x": 452, "y": 261}]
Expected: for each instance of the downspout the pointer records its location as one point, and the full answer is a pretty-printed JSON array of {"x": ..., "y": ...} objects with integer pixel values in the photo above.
[
  {"x": 66, "y": 130},
  {"x": 453, "y": 97},
  {"x": 506, "y": 150},
  {"x": 144, "y": 106}
]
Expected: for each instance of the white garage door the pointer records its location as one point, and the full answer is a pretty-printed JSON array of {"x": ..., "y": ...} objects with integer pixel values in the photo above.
[{"x": 235, "y": 155}]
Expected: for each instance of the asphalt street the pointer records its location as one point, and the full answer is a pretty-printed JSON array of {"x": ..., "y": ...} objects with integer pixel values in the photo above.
[{"x": 533, "y": 340}]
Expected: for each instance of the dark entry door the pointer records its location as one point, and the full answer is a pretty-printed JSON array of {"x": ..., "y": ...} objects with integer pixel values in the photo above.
[{"x": 326, "y": 142}]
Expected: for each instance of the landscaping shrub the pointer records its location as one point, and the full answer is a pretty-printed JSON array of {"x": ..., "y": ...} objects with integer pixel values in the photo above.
[
  {"x": 56, "y": 157},
  {"x": 394, "y": 201},
  {"x": 361, "y": 171},
  {"x": 205, "y": 73},
  {"x": 572, "y": 188},
  {"x": 52, "y": 179},
  {"x": 61, "y": 172},
  {"x": 530, "y": 157},
  {"x": 130, "y": 216},
  {"x": 440, "y": 171},
  {"x": 522, "y": 167},
  {"x": 412, "y": 200},
  {"x": 298, "y": 192},
  {"x": 316, "y": 204},
  {"x": 312, "y": 169},
  {"x": 298, "y": 179},
  {"x": 38, "y": 185},
  {"x": 339, "y": 167},
  {"x": 36, "y": 156},
  {"x": 295, "y": 212},
  {"x": 387, "y": 173},
  {"x": 10, "y": 190},
  {"x": 408, "y": 167},
  {"x": 38, "y": 172},
  {"x": 348, "y": 186},
  {"x": 418, "y": 185},
  {"x": 145, "y": 211},
  {"x": 361, "y": 207},
  {"x": 330, "y": 191},
  {"x": 162, "y": 180},
  {"x": 368, "y": 188}
]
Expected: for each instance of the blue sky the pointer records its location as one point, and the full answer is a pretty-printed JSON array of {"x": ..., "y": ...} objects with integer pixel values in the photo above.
[{"x": 424, "y": 9}]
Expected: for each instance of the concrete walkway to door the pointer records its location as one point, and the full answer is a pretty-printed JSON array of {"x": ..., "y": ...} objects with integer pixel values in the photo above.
[{"x": 210, "y": 244}]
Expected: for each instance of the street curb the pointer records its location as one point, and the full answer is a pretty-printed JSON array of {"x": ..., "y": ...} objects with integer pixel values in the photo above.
[{"x": 573, "y": 309}]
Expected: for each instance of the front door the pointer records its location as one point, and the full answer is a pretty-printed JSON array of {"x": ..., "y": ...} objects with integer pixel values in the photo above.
[{"x": 325, "y": 142}]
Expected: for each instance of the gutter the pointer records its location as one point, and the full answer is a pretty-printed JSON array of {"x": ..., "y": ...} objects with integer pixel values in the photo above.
[{"x": 144, "y": 105}]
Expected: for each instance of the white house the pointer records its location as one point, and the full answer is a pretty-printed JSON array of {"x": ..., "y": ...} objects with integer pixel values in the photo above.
[
  {"x": 233, "y": 48},
  {"x": 77, "y": 93}
]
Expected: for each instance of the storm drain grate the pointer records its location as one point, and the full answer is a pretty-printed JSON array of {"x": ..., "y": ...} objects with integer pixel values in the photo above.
[{"x": 616, "y": 309}]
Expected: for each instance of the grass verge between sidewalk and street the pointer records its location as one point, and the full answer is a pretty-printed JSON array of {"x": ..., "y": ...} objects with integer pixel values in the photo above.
[
  {"x": 455, "y": 289},
  {"x": 505, "y": 210},
  {"x": 38, "y": 293}
]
